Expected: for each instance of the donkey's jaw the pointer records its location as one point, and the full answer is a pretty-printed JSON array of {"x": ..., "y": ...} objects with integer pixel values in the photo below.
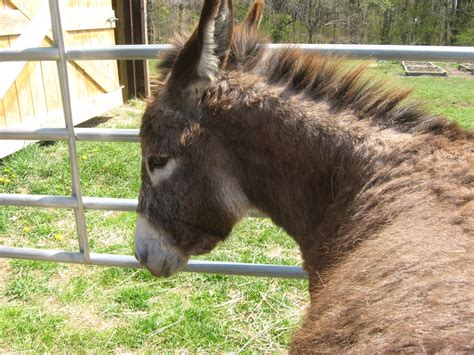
[{"x": 154, "y": 251}]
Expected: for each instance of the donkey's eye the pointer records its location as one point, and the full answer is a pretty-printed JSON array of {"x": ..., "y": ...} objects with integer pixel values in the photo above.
[{"x": 157, "y": 162}]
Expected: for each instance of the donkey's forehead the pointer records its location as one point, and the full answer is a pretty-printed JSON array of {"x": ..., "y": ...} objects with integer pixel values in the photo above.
[{"x": 167, "y": 129}]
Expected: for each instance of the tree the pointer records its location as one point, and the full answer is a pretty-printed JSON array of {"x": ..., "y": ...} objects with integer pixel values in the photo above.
[{"x": 424, "y": 22}]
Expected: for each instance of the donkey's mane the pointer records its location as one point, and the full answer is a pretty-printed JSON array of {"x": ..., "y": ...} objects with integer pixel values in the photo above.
[{"x": 327, "y": 77}]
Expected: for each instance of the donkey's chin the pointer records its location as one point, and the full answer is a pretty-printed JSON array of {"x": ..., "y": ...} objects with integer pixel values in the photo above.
[{"x": 154, "y": 251}]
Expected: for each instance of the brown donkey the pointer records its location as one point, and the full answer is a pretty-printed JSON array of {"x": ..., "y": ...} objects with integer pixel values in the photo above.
[{"x": 377, "y": 193}]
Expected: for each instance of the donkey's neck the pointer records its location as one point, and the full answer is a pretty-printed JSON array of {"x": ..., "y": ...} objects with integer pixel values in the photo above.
[{"x": 295, "y": 164}]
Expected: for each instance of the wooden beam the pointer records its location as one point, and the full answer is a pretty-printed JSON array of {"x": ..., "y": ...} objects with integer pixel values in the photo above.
[
  {"x": 121, "y": 38},
  {"x": 103, "y": 80},
  {"x": 14, "y": 22},
  {"x": 85, "y": 110},
  {"x": 26, "y": 7},
  {"x": 77, "y": 19},
  {"x": 31, "y": 37}
]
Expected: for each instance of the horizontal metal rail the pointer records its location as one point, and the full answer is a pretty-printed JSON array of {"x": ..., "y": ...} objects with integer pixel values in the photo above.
[
  {"x": 391, "y": 52},
  {"x": 29, "y": 54},
  {"x": 90, "y": 203},
  {"x": 81, "y": 134},
  {"x": 139, "y": 52},
  {"x": 261, "y": 270}
]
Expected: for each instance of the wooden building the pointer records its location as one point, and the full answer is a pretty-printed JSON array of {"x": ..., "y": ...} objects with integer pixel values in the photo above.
[{"x": 29, "y": 91}]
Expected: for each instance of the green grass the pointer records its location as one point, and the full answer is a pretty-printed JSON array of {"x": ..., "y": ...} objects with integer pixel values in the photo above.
[
  {"x": 49, "y": 307},
  {"x": 451, "y": 95}
]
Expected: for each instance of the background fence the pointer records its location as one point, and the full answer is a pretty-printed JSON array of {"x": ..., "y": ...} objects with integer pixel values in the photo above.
[{"x": 79, "y": 203}]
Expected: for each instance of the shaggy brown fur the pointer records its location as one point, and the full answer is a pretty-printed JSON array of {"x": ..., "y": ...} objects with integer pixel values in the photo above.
[{"x": 377, "y": 192}]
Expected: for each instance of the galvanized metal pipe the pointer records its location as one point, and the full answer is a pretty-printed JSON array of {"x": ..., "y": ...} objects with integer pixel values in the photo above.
[
  {"x": 29, "y": 54},
  {"x": 110, "y": 204},
  {"x": 386, "y": 52},
  {"x": 107, "y": 135},
  {"x": 390, "y": 52},
  {"x": 261, "y": 270},
  {"x": 40, "y": 134},
  {"x": 119, "y": 52},
  {"x": 90, "y": 203},
  {"x": 38, "y": 201},
  {"x": 67, "y": 109},
  {"x": 140, "y": 52},
  {"x": 81, "y": 134}
]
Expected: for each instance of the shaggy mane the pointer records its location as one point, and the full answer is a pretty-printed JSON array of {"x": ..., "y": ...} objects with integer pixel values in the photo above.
[{"x": 327, "y": 77}]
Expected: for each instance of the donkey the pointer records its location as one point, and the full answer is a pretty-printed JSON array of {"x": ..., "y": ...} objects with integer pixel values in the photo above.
[{"x": 377, "y": 192}]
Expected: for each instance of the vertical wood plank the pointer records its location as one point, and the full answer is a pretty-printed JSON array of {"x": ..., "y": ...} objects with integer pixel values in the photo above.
[
  {"x": 25, "y": 100},
  {"x": 122, "y": 64},
  {"x": 11, "y": 108},
  {"x": 10, "y": 100},
  {"x": 78, "y": 86},
  {"x": 85, "y": 87},
  {"x": 96, "y": 39},
  {"x": 3, "y": 121},
  {"x": 86, "y": 40},
  {"x": 51, "y": 86},
  {"x": 51, "y": 83},
  {"x": 101, "y": 38},
  {"x": 109, "y": 38},
  {"x": 37, "y": 89},
  {"x": 4, "y": 43}
]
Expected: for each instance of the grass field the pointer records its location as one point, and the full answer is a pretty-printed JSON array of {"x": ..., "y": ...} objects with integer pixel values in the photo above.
[{"x": 47, "y": 307}]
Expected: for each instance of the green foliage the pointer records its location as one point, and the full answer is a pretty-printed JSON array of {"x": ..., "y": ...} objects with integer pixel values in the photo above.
[
  {"x": 465, "y": 35},
  {"x": 280, "y": 28},
  {"x": 422, "y": 22}
]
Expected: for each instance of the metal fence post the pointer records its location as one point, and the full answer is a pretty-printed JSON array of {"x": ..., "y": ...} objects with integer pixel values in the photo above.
[{"x": 67, "y": 109}]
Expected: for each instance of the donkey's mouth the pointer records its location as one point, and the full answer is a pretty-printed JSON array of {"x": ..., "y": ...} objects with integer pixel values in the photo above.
[
  {"x": 164, "y": 266},
  {"x": 153, "y": 250}
]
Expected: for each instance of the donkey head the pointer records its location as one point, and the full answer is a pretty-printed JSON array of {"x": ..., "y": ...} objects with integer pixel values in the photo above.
[{"x": 190, "y": 197}]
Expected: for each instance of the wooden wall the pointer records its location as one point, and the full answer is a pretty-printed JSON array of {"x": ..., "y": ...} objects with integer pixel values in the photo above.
[
  {"x": 131, "y": 29},
  {"x": 29, "y": 91}
]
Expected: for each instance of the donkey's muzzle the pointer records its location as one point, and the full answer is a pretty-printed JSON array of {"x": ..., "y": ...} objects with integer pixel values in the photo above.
[{"x": 154, "y": 251}]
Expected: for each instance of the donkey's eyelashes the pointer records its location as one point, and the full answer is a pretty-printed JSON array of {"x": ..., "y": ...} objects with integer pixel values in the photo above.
[{"x": 157, "y": 162}]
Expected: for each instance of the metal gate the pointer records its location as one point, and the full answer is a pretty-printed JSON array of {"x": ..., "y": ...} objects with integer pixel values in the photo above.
[{"x": 79, "y": 203}]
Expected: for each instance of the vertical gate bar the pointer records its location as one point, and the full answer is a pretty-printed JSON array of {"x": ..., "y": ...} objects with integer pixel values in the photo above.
[{"x": 67, "y": 108}]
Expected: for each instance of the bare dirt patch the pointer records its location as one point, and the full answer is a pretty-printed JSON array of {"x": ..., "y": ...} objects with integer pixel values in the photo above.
[{"x": 454, "y": 71}]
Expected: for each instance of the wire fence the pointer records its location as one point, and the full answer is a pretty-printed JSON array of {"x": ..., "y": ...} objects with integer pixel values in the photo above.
[{"x": 80, "y": 203}]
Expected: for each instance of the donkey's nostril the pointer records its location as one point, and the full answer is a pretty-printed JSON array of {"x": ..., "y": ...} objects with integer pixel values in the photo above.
[{"x": 141, "y": 254}]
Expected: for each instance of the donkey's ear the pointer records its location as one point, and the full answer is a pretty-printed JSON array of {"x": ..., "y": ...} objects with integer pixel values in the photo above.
[
  {"x": 254, "y": 17},
  {"x": 205, "y": 53}
]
